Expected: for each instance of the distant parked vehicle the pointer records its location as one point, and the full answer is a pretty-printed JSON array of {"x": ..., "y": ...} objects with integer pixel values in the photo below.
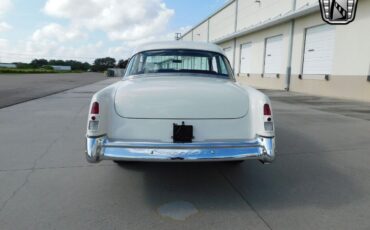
[
  {"x": 109, "y": 73},
  {"x": 179, "y": 102},
  {"x": 115, "y": 72}
]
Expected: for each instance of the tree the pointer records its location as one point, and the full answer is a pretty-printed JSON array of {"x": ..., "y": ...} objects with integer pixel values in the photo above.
[
  {"x": 75, "y": 65},
  {"x": 21, "y": 65},
  {"x": 86, "y": 66},
  {"x": 122, "y": 64},
  {"x": 38, "y": 63},
  {"x": 57, "y": 62},
  {"x": 102, "y": 64}
]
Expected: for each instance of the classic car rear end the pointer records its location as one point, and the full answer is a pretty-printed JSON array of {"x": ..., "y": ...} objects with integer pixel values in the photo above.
[{"x": 180, "y": 102}]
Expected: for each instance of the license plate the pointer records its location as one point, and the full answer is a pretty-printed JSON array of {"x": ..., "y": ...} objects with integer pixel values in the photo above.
[{"x": 182, "y": 133}]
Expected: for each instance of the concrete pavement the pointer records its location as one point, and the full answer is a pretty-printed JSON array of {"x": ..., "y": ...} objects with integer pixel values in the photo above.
[
  {"x": 319, "y": 181},
  {"x": 17, "y": 88}
]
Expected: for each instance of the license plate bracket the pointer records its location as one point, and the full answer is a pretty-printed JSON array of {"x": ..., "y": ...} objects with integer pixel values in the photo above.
[{"x": 182, "y": 133}]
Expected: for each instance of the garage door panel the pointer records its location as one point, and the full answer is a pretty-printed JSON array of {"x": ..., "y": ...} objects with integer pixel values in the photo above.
[
  {"x": 229, "y": 54},
  {"x": 246, "y": 58},
  {"x": 273, "y": 54},
  {"x": 319, "y": 50}
]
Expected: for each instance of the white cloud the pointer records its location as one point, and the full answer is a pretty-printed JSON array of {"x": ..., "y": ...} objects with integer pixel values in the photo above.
[
  {"x": 4, "y": 26},
  {"x": 43, "y": 44},
  {"x": 169, "y": 36},
  {"x": 132, "y": 22},
  {"x": 54, "y": 41},
  {"x": 125, "y": 20},
  {"x": 56, "y": 32},
  {"x": 125, "y": 51},
  {"x": 5, "y": 5},
  {"x": 87, "y": 52},
  {"x": 3, "y": 43},
  {"x": 25, "y": 51}
]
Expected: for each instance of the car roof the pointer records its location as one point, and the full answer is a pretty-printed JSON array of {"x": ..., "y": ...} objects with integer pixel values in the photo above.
[{"x": 204, "y": 46}]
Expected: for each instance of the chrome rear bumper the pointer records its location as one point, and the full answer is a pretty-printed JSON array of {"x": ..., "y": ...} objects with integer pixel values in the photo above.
[{"x": 101, "y": 148}]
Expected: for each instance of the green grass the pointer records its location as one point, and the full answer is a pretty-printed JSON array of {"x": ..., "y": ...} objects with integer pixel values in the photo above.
[{"x": 33, "y": 71}]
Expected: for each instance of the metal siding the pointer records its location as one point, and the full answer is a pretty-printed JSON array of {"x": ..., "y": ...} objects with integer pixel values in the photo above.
[
  {"x": 273, "y": 54},
  {"x": 188, "y": 37},
  {"x": 223, "y": 23},
  {"x": 201, "y": 32},
  {"x": 245, "y": 58},
  {"x": 319, "y": 50},
  {"x": 302, "y": 3},
  {"x": 251, "y": 12}
]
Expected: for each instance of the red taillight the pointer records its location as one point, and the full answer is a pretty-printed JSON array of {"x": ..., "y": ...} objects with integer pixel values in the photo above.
[
  {"x": 95, "y": 108},
  {"x": 266, "y": 110}
]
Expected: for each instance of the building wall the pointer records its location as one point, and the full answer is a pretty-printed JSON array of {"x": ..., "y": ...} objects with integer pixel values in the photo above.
[
  {"x": 251, "y": 12},
  {"x": 226, "y": 45},
  {"x": 188, "y": 36},
  {"x": 255, "y": 80},
  {"x": 301, "y": 25},
  {"x": 201, "y": 32},
  {"x": 258, "y": 40},
  {"x": 222, "y": 23},
  {"x": 351, "y": 60},
  {"x": 352, "y": 55},
  {"x": 301, "y": 3}
]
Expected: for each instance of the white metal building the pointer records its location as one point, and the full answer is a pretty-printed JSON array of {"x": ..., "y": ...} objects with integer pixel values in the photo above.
[
  {"x": 8, "y": 65},
  {"x": 61, "y": 68},
  {"x": 278, "y": 44}
]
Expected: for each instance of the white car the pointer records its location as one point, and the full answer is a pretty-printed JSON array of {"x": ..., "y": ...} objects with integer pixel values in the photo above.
[{"x": 179, "y": 101}]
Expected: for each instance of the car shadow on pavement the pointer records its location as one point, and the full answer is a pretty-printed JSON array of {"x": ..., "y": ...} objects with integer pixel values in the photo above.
[
  {"x": 294, "y": 180},
  {"x": 310, "y": 177},
  {"x": 201, "y": 184}
]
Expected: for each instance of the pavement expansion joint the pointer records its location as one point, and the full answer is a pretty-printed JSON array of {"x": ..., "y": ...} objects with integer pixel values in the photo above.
[{"x": 246, "y": 200}]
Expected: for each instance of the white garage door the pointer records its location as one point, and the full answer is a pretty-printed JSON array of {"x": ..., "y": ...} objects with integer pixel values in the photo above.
[
  {"x": 273, "y": 55},
  {"x": 229, "y": 54},
  {"x": 245, "y": 58},
  {"x": 319, "y": 50}
]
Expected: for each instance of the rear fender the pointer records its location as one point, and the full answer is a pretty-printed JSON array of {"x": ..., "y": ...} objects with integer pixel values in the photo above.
[
  {"x": 104, "y": 98},
  {"x": 258, "y": 119}
]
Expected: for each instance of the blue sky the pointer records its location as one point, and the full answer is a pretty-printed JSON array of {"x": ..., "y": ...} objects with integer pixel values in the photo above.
[
  {"x": 187, "y": 14},
  {"x": 86, "y": 29}
]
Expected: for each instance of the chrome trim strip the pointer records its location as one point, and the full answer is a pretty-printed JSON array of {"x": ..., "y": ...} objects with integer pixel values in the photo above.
[{"x": 102, "y": 148}]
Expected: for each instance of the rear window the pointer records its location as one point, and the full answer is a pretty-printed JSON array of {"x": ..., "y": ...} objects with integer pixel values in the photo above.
[{"x": 179, "y": 61}]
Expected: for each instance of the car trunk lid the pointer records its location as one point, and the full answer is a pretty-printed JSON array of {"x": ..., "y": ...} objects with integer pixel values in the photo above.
[{"x": 180, "y": 97}]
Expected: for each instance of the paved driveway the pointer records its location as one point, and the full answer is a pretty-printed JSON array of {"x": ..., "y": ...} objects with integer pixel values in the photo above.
[
  {"x": 16, "y": 88},
  {"x": 320, "y": 180}
]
